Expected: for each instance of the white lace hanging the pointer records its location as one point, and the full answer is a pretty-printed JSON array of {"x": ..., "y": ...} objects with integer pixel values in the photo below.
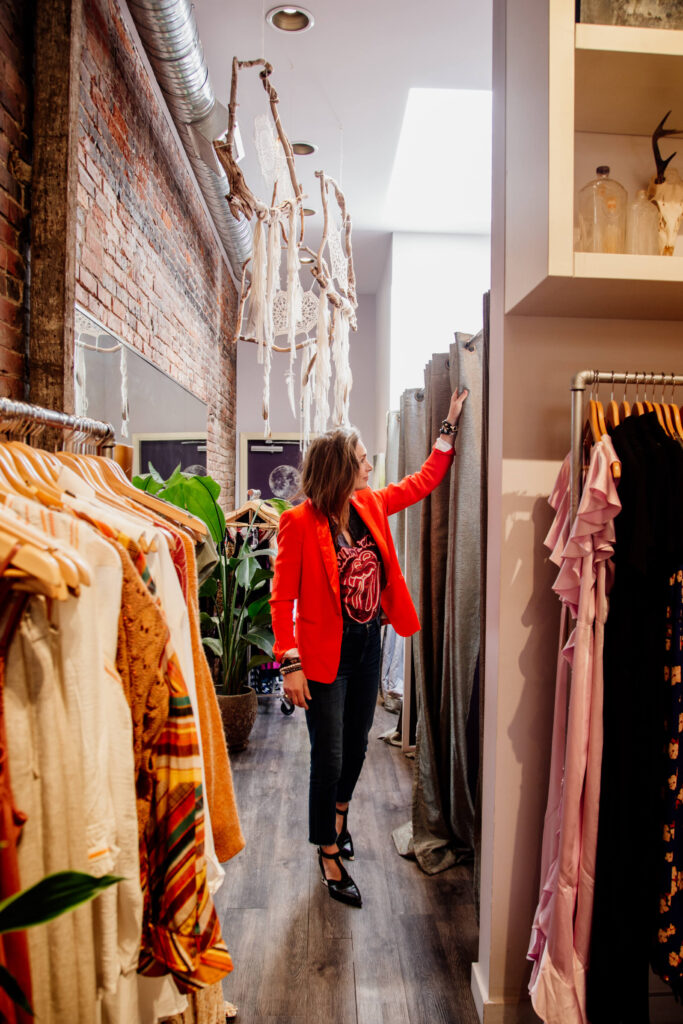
[
  {"x": 338, "y": 262},
  {"x": 342, "y": 369},
  {"x": 125, "y": 406},
  {"x": 80, "y": 382},
  {"x": 257, "y": 295},
  {"x": 293, "y": 305},
  {"x": 272, "y": 159},
  {"x": 322, "y": 365},
  {"x": 307, "y": 386}
]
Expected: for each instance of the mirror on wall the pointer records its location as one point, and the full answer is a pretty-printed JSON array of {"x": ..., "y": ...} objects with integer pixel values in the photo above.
[{"x": 162, "y": 421}]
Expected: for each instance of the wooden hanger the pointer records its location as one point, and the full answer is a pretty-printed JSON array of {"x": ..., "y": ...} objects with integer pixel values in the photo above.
[
  {"x": 29, "y": 466},
  {"x": 253, "y": 510},
  {"x": 118, "y": 481},
  {"x": 73, "y": 569},
  {"x": 612, "y": 414}
]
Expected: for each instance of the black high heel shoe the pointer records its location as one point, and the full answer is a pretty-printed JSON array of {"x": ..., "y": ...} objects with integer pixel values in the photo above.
[
  {"x": 344, "y": 840},
  {"x": 343, "y": 889}
]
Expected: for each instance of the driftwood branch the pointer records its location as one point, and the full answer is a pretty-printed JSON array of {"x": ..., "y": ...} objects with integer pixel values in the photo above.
[{"x": 241, "y": 199}]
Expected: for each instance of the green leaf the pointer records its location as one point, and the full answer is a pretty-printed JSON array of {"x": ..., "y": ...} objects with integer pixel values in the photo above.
[
  {"x": 194, "y": 495},
  {"x": 209, "y": 587},
  {"x": 208, "y": 620},
  {"x": 49, "y": 898},
  {"x": 263, "y": 639},
  {"x": 147, "y": 483},
  {"x": 155, "y": 474},
  {"x": 258, "y": 659},
  {"x": 213, "y": 644},
  {"x": 175, "y": 476},
  {"x": 279, "y": 504},
  {"x": 10, "y": 985},
  {"x": 210, "y": 484},
  {"x": 258, "y": 605},
  {"x": 244, "y": 571},
  {"x": 260, "y": 577}
]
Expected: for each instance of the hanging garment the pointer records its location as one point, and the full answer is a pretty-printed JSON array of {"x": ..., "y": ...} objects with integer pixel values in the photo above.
[
  {"x": 561, "y": 932},
  {"x": 13, "y": 946},
  {"x": 220, "y": 793},
  {"x": 181, "y": 932},
  {"x": 92, "y": 619},
  {"x": 47, "y": 780},
  {"x": 648, "y": 550},
  {"x": 667, "y": 947}
]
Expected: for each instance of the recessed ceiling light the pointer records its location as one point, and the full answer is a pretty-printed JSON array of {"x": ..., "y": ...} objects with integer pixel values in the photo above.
[
  {"x": 290, "y": 19},
  {"x": 306, "y": 259},
  {"x": 304, "y": 148},
  {"x": 308, "y": 212}
]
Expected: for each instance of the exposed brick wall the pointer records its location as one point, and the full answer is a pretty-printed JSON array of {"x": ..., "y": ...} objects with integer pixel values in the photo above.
[
  {"x": 15, "y": 168},
  {"x": 148, "y": 266}
]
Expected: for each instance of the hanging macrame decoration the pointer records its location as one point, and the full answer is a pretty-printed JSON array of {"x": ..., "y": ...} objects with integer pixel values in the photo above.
[{"x": 270, "y": 309}]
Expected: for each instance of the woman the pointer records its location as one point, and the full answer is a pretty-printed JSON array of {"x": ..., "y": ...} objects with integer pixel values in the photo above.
[{"x": 336, "y": 559}]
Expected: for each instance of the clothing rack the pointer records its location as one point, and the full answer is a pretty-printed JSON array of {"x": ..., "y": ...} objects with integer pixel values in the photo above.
[
  {"x": 579, "y": 384},
  {"x": 13, "y": 412}
]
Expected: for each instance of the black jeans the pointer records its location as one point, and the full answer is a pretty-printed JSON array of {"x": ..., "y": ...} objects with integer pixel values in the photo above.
[{"x": 339, "y": 718}]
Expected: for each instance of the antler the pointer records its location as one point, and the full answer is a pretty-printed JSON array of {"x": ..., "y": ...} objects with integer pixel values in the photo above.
[{"x": 659, "y": 133}]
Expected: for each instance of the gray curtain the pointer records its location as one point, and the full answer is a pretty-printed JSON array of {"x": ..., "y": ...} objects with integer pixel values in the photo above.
[{"x": 447, "y": 648}]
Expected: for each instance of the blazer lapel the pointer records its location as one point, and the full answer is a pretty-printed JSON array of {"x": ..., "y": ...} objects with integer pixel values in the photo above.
[
  {"x": 327, "y": 551},
  {"x": 373, "y": 523}
]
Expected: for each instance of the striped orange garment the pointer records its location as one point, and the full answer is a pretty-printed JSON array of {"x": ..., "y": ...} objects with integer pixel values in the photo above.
[{"x": 181, "y": 931}]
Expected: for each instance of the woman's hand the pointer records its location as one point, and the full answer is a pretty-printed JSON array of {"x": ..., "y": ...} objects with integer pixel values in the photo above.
[
  {"x": 455, "y": 408},
  {"x": 296, "y": 689}
]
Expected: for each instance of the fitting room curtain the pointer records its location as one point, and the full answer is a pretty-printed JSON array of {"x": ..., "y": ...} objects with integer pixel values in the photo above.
[{"x": 448, "y": 577}]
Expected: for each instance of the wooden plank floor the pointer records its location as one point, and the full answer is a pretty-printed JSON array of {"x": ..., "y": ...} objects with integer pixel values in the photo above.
[{"x": 302, "y": 958}]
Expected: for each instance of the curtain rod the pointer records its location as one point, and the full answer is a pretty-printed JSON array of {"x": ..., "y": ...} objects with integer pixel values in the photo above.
[
  {"x": 11, "y": 411},
  {"x": 579, "y": 384}
]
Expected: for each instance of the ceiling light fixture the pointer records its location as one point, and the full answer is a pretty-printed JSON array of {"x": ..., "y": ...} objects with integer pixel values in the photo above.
[
  {"x": 306, "y": 259},
  {"x": 290, "y": 19},
  {"x": 304, "y": 148},
  {"x": 308, "y": 212}
]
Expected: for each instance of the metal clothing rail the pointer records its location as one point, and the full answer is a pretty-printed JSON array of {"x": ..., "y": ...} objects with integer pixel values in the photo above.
[
  {"x": 590, "y": 377},
  {"x": 13, "y": 412}
]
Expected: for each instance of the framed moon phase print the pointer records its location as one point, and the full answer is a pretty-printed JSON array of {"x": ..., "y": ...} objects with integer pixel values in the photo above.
[{"x": 271, "y": 466}]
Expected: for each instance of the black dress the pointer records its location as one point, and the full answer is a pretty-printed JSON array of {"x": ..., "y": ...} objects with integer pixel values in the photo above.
[{"x": 648, "y": 549}]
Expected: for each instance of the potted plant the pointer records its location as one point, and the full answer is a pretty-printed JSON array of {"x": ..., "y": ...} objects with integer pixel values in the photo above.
[{"x": 236, "y": 600}]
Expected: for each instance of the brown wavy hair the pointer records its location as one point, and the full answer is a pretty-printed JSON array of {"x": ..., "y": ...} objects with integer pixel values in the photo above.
[{"x": 329, "y": 472}]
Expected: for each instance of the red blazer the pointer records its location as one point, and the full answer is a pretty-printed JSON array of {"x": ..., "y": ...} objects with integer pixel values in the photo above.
[{"x": 306, "y": 571}]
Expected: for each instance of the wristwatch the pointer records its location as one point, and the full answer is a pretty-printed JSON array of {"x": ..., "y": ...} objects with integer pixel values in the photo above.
[{"x": 448, "y": 428}]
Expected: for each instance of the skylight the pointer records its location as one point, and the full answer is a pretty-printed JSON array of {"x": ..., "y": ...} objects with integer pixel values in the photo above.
[{"x": 441, "y": 179}]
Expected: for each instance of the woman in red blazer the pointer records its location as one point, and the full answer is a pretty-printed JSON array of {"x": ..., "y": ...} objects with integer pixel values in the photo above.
[{"x": 336, "y": 560}]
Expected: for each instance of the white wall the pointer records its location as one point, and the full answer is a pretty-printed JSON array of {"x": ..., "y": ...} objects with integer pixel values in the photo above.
[
  {"x": 383, "y": 349},
  {"x": 437, "y": 287}
]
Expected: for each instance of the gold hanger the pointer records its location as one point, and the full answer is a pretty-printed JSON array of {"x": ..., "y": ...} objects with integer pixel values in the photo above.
[{"x": 612, "y": 409}]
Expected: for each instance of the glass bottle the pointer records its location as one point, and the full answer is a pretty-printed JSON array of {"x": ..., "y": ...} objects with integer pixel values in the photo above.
[
  {"x": 642, "y": 226},
  {"x": 602, "y": 214}
]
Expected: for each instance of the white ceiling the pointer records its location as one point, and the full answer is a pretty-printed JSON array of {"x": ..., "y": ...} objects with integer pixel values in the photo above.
[{"x": 343, "y": 85}]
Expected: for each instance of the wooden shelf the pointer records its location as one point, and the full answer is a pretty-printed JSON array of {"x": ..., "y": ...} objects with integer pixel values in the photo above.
[
  {"x": 613, "y": 286},
  {"x": 622, "y": 266},
  {"x": 627, "y": 78}
]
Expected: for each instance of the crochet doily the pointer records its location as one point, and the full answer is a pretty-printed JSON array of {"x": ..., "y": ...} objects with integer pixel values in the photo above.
[
  {"x": 338, "y": 262},
  {"x": 309, "y": 313},
  {"x": 271, "y": 158}
]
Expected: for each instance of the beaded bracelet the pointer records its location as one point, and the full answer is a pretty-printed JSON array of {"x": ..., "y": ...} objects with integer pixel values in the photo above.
[{"x": 294, "y": 666}]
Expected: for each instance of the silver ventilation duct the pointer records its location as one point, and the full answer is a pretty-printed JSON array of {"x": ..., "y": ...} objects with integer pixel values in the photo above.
[{"x": 169, "y": 33}]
